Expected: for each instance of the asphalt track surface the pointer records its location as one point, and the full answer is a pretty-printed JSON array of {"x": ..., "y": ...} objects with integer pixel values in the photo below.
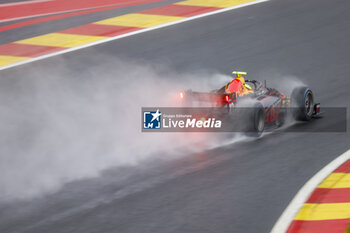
[{"x": 242, "y": 187}]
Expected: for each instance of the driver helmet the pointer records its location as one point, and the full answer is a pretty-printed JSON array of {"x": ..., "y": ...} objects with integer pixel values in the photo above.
[{"x": 241, "y": 78}]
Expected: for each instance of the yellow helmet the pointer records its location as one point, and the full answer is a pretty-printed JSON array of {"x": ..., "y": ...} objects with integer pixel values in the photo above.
[{"x": 239, "y": 75}]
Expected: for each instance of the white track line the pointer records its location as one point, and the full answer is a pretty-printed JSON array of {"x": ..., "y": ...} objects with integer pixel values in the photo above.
[
  {"x": 22, "y": 3},
  {"x": 287, "y": 217},
  {"x": 130, "y": 34}
]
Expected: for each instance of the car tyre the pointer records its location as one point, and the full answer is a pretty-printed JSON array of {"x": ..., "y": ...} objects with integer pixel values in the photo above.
[{"x": 302, "y": 103}]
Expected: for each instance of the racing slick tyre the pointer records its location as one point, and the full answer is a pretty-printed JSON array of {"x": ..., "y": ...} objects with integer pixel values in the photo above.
[{"x": 302, "y": 103}]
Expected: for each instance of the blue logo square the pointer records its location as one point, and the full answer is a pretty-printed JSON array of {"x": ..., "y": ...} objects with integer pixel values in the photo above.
[{"x": 152, "y": 119}]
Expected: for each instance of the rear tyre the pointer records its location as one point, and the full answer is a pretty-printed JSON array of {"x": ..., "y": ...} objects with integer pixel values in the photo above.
[
  {"x": 256, "y": 119},
  {"x": 280, "y": 120},
  {"x": 302, "y": 103}
]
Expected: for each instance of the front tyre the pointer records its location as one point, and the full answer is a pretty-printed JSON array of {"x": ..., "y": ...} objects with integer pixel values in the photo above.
[{"x": 302, "y": 102}]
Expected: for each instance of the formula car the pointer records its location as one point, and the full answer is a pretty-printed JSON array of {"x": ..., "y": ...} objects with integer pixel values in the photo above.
[{"x": 266, "y": 106}]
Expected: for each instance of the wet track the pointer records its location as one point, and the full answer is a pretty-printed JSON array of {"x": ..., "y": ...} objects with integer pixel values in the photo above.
[{"x": 241, "y": 187}]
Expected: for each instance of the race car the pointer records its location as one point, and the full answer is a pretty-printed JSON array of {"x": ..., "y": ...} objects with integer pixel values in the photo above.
[{"x": 265, "y": 106}]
